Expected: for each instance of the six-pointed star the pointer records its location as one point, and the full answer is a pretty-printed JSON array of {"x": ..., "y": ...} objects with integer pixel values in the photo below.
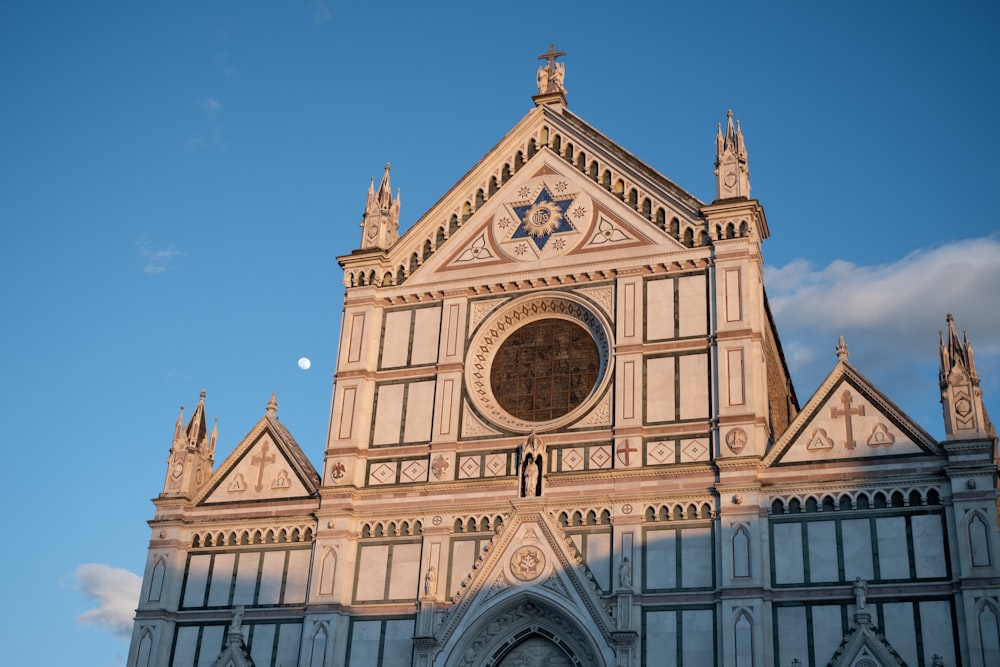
[{"x": 543, "y": 217}]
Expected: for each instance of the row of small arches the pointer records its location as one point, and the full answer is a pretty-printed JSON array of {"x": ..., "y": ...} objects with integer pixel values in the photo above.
[
  {"x": 246, "y": 537},
  {"x": 679, "y": 512},
  {"x": 860, "y": 501},
  {"x": 392, "y": 529},
  {"x": 474, "y": 524},
  {"x": 615, "y": 185},
  {"x": 731, "y": 231},
  {"x": 587, "y": 518}
]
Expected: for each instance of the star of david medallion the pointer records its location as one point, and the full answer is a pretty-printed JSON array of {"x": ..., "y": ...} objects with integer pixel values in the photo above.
[{"x": 542, "y": 217}]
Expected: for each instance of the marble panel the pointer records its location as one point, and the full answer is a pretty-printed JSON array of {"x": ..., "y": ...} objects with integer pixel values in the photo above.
[
  {"x": 396, "y": 341},
  {"x": 698, "y": 638},
  {"x": 857, "y": 546},
  {"x": 691, "y": 306},
  {"x": 788, "y": 553},
  {"x": 288, "y": 643},
  {"x": 828, "y": 632},
  {"x": 365, "y": 639},
  {"x": 660, "y": 565},
  {"x": 697, "y": 557},
  {"x": 937, "y": 614},
  {"x": 928, "y": 545},
  {"x": 660, "y": 396},
  {"x": 419, "y": 412},
  {"x": 270, "y": 578},
  {"x": 893, "y": 559},
  {"x": 426, "y": 329},
  {"x": 398, "y": 645},
  {"x": 388, "y": 414},
  {"x": 262, "y": 644},
  {"x": 900, "y": 629},
  {"x": 660, "y": 638},
  {"x": 211, "y": 645},
  {"x": 246, "y": 578},
  {"x": 694, "y": 380},
  {"x": 793, "y": 641},
  {"x": 185, "y": 646},
  {"x": 463, "y": 555},
  {"x": 222, "y": 580},
  {"x": 599, "y": 558},
  {"x": 405, "y": 572},
  {"x": 197, "y": 580},
  {"x": 659, "y": 309},
  {"x": 298, "y": 576},
  {"x": 822, "y": 551},
  {"x": 372, "y": 572}
]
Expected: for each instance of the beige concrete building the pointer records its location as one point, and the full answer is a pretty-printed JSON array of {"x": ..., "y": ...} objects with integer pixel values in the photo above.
[{"x": 564, "y": 433}]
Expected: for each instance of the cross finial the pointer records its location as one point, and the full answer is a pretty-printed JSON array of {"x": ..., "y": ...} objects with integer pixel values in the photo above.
[
  {"x": 272, "y": 405},
  {"x": 550, "y": 76}
]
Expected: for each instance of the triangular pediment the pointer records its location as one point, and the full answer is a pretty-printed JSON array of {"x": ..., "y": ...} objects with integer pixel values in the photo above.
[
  {"x": 848, "y": 418},
  {"x": 553, "y": 193},
  {"x": 267, "y": 465},
  {"x": 527, "y": 560},
  {"x": 863, "y": 646},
  {"x": 548, "y": 215}
]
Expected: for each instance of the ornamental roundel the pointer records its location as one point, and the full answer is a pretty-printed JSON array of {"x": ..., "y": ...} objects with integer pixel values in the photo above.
[
  {"x": 539, "y": 363},
  {"x": 527, "y": 563}
]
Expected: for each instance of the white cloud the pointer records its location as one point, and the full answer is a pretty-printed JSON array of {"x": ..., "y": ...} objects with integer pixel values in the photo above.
[
  {"x": 116, "y": 593},
  {"x": 890, "y": 314},
  {"x": 211, "y": 107},
  {"x": 157, "y": 259},
  {"x": 321, "y": 13}
]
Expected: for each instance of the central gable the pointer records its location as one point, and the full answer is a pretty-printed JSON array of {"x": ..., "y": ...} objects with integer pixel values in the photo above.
[{"x": 548, "y": 214}]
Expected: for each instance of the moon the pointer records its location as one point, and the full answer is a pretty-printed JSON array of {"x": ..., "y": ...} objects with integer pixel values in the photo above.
[{"x": 304, "y": 363}]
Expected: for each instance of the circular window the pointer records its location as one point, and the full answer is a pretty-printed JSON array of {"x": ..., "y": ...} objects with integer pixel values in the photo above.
[
  {"x": 545, "y": 369},
  {"x": 538, "y": 363}
]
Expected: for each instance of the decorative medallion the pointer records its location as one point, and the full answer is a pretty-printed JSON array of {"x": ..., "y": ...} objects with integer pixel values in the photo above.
[
  {"x": 963, "y": 406},
  {"x": 736, "y": 440},
  {"x": 880, "y": 436},
  {"x": 546, "y": 220},
  {"x": 819, "y": 441},
  {"x": 527, "y": 563},
  {"x": 626, "y": 508},
  {"x": 337, "y": 471},
  {"x": 437, "y": 520},
  {"x": 440, "y": 466}
]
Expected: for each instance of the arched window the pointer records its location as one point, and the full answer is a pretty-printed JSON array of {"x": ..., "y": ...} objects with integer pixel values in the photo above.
[{"x": 741, "y": 552}]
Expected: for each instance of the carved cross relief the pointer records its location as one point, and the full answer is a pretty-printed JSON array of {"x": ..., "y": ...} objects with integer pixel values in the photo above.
[
  {"x": 846, "y": 412},
  {"x": 261, "y": 462}
]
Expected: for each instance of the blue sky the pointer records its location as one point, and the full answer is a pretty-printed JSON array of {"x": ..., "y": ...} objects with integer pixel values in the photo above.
[{"x": 176, "y": 180}]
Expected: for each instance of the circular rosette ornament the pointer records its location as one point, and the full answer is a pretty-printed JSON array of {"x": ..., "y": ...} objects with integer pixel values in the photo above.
[{"x": 542, "y": 219}]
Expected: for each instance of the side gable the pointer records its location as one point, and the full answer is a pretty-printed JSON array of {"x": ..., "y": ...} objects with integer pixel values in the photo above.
[
  {"x": 267, "y": 465},
  {"x": 848, "y": 418}
]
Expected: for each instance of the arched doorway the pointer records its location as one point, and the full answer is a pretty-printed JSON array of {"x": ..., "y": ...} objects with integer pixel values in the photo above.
[{"x": 536, "y": 651}]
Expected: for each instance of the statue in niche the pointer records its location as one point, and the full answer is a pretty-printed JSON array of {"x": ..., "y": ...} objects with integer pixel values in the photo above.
[
  {"x": 430, "y": 581},
  {"x": 531, "y": 465},
  {"x": 625, "y": 573},
  {"x": 530, "y": 457},
  {"x": 860, "y": 592}
]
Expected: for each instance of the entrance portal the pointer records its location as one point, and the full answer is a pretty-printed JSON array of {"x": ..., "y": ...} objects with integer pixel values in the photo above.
[{"x": 536, "y": 651}]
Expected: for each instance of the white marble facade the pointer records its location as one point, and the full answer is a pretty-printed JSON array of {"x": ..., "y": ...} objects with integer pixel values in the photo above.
[{"x": 563, "y": 433}]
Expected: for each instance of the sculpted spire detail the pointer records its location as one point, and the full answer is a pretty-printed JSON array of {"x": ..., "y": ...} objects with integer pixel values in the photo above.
[
  {"x": 961, "y": 397},
  {"x": 192, "y": 454},
  {"x": 549, "y": 78},
  {"x": 381, "y": 219},
  {"x": 732, "y": 172}
]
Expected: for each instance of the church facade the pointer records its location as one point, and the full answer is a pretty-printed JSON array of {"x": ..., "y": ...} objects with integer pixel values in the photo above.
[{"x": 563, "y": 432}]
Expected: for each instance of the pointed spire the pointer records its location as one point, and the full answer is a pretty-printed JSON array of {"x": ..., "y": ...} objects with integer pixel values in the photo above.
[
  {"x": 842, "y": 352},
  {"x": 213, "y": 438},
  {"x": 191, "y": 455},
  {"x": 732, "y": 173},
  {"x": 381, "y": 218},
  {"x": 179, "y": 425},
  {"x": 272, "y": 405},
  {"x": 961, "y": 397}
]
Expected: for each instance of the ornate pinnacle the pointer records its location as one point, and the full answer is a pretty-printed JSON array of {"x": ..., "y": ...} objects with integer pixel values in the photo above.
[
  {"x": 272, "y": 405},
  {"x": 842, "y": 350}
]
